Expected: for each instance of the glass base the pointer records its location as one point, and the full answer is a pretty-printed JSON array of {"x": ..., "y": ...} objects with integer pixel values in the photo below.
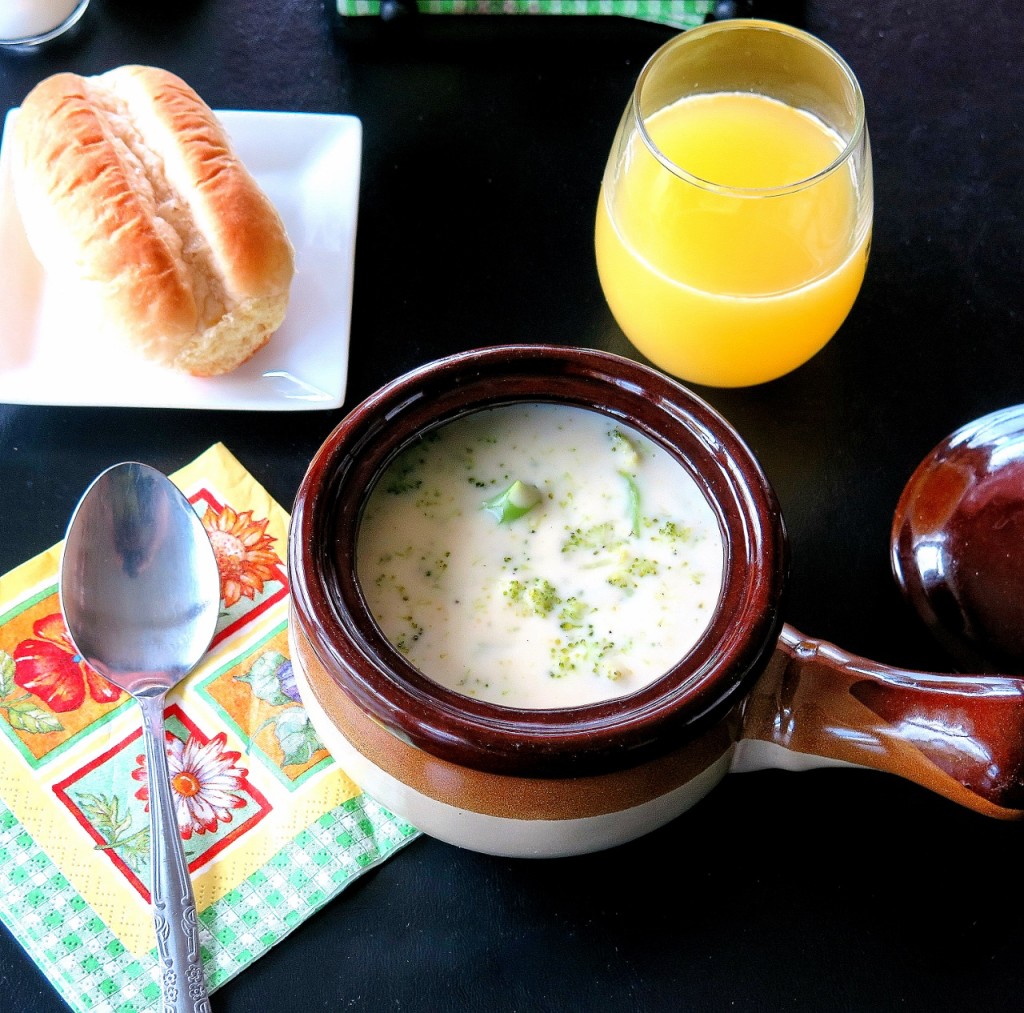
[{"x": 40, "y": 36}]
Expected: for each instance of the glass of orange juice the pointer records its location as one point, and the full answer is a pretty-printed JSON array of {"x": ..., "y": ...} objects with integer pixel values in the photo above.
[{"x": 735, "y": 213}]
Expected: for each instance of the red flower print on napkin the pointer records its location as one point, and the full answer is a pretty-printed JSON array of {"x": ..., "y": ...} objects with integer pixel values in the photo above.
[{"x": 49, "y": 667}]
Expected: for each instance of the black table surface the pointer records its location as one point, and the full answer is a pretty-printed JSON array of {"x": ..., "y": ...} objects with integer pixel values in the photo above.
[{"x": 484, "y": 143}]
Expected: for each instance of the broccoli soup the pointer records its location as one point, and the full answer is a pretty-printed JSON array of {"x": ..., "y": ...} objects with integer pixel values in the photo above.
[{"x": 539, "y": 556}]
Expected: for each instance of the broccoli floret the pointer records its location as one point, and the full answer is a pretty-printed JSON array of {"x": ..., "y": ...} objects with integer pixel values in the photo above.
[
  {"x": 572, "y": 613},
  {"x": 537, "y": 597},
  {"x": 675, "y": 532},
  {"x": 401, "y": 475},
  {"x": 627, "y": 450},
  {"x": 595, "y": 539},
  {"x": 585, "y": 654},
  {"x": 627, "y": 578}
]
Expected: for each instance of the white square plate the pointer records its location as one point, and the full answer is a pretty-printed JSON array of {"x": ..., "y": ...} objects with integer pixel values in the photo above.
[{"x": 309, "y": 165}]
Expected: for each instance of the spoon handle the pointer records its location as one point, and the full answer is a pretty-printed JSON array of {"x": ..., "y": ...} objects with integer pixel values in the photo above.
[{"x": 182, "y": 983}]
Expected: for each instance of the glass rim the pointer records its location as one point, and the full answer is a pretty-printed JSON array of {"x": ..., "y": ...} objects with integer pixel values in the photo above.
[{"x": 750, "y": 24}]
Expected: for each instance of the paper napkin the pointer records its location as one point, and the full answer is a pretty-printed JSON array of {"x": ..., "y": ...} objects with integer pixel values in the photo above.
[
  {"x": 74, "y": 830},
  {"x": 674, "y": 13}
]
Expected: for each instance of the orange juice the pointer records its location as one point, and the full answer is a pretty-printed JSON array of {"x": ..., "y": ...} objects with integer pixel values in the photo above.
[{"x": 727, "y": 273}]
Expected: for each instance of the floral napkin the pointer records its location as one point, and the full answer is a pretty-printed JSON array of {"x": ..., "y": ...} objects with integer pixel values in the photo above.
[
  {"x": 674, "y": 13},
  {"x": 281, "y": 832}
]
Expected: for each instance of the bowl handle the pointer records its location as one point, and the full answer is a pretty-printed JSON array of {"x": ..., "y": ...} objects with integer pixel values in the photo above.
[{"x": 960, "y": 735}]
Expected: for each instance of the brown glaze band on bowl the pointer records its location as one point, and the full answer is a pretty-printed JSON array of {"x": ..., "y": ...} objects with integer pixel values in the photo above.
[
  {"x": 507, "y": 796},
  {"x": 333, "y": 616}
]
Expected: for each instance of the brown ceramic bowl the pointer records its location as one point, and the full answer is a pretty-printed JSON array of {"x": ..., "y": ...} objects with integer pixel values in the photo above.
[{"x": 562, "y": 781}]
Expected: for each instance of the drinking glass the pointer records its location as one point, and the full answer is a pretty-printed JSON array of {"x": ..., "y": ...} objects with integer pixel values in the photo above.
[
  {"x": 734, "y": 220},
  {"x": 30, "y": 22}
]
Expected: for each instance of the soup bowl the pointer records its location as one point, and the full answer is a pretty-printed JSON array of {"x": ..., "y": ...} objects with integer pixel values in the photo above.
[{"x": 752, "y": 693}]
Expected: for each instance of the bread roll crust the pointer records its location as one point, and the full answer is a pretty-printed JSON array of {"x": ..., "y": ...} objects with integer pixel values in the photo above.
[{"x": 128, "y": 182}]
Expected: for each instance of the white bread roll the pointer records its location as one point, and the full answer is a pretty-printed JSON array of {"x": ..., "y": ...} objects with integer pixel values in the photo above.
[{"x": 127, "y": 182}]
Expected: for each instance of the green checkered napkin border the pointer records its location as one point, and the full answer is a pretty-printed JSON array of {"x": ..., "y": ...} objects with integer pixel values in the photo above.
[
  {"x": 674, "y": 13},
  {"x": 91, "y": 969}
]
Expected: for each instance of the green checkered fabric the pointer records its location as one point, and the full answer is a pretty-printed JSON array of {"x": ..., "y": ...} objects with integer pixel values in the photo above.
[
  {"x": 94, "y": 972},
  {"x": 674, "y": 13}
]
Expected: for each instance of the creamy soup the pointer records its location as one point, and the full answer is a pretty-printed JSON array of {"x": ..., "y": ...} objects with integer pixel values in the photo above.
[{"x": 539, "y": 556}]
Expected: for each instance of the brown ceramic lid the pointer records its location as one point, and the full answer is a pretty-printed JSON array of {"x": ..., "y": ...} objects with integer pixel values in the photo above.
[{"x": 958, "y": 542}]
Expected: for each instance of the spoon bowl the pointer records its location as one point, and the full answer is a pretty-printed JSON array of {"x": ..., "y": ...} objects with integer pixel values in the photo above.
[
  {"x": 957, "y": 542},
  {"x": 140, "y": 592}
]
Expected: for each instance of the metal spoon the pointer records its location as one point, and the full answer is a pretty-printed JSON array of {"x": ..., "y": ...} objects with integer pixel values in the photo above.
[
  {"x": 957, "y": 543},
  {"x": 140, "y": 593}
]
